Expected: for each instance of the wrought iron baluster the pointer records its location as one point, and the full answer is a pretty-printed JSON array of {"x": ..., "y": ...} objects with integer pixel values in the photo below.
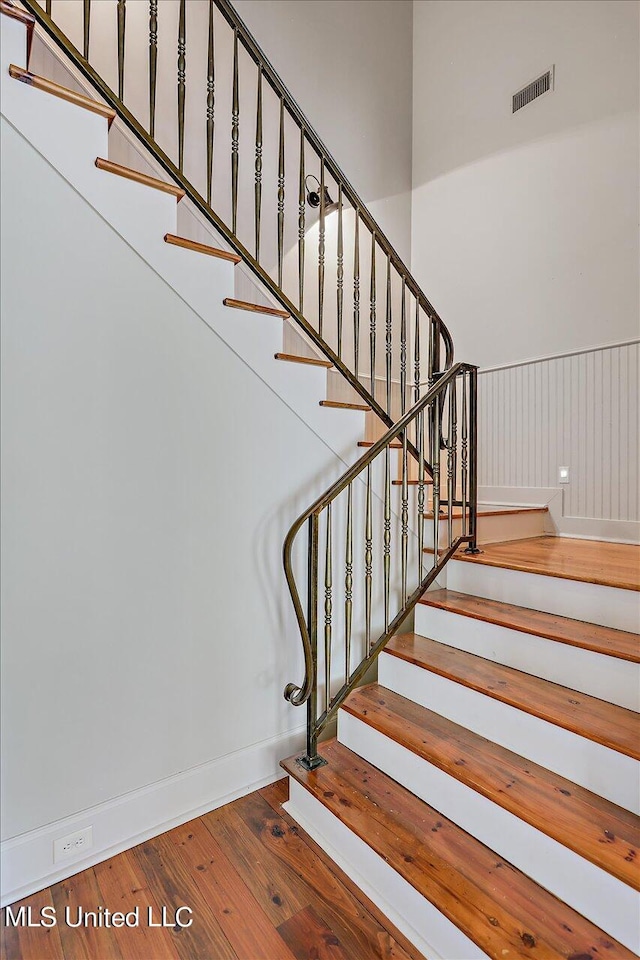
[
  {"x": 404, "y": 517},
  {"x": 281, "y": 193},
  {"x": 403, "y": 348},
  {"x": 153, "y": 63},
  {"x": 340, "y": 271},
  {"x": 47, "y": 8},
  {"x": 122, "y": 18},
  {"x": 372, "y": 318},
  {"x": 321, "y": 250},
  {"x": 302, "y": 195},
  {"x": 368, "y": 564},
  {"x": 473, "y": 461},
  {"x": 211, "y": 101},
  {"x": 388, "y": 338},
  {"x": 420, "y": 518},
  {"x": 328, "y": 603},
  {"x": 387, "y": 533},
  {"x": 348, "y": 586},
  {"x": 258, "y": 165},
  {"x": 451, "y": 456},
  {"x": 235, "y": 135},
  {"x": 86, "y": 20},
  {"x": 416, "y": 355},
  {"x": 182, "y": 62},
  {"x": 356, "y": 293},
  {"x": 464, "y": 454},
  {"x": 435, "y": 422},
  {"x": 312, "y": 758}
]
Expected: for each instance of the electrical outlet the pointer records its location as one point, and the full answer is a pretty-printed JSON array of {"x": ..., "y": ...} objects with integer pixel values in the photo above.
[
  {"x": 563, "y": 474},
  {"x": 73, "y": 845}
]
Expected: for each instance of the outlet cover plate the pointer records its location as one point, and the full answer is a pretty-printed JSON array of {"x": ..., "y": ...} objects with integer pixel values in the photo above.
[{"x": 73, "y": 845}]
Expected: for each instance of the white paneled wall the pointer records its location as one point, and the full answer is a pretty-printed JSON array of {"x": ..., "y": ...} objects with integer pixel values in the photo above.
[{"x": 578, "y": 411}]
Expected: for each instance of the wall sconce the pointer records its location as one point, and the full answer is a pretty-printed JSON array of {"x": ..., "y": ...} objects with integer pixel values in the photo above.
[{"x": 313, "y": 196}]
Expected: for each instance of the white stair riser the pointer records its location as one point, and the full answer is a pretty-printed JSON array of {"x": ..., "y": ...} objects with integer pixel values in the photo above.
[
  {"x": 609, "y": 678},
  {"x": 429, "y": 930},
  {"x": 491, "y": 529},
  {"x": 592, "y": 602},
  {"x": 598, "y": 768},
  {"x": 605, "y": 900}
]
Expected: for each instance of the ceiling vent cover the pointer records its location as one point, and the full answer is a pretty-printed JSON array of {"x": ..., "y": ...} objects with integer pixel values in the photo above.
[{"x": 541, "y": 85}]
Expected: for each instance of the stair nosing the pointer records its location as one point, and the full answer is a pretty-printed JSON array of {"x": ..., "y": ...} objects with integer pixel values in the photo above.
[
  {"x": 198, "y": 247},
  {"x": 437, "y": 885},
  {"x": 431, "y": 600},
  {"x": 127, "y": 173},
  {"x": 343, "y": 405},
  {"x": 292, "y": 358},
  {"x": 464, "y": 773},
  {"x": 526, "y": 706},
  {"x": 255, "y": 308}
]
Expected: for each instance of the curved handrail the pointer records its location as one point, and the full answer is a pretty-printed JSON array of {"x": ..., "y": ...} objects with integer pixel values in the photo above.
[{"x": 297, "y": 695}]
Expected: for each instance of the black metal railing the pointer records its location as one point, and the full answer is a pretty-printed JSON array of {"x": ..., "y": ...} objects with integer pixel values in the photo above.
[
  {"x": 393, "y": 537},
  {"x": 193, "y": 85}
]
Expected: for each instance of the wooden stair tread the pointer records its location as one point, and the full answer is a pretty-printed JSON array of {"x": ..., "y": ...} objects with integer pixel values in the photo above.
[
  {"x": 613, "y": 726},
  {"x": 394, "y": 445},
  {"x": 488, "y": 512},
  {"x": 255, "y": 308},
  {"x": 292, "y": 358},
  {"x": 341, "y": 405},
  {"x": 565, "y": 811},
  {"x": 590, "y": 561},
  {"x": 142, "y": 178},
  {"x": 503, "y": 911},
  {"x": 200, "y": 248},
  {"x": 576, "y": 633},
  {"x": 63, "y": 93}
]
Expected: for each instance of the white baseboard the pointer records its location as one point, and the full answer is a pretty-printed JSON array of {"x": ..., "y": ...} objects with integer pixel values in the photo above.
[
  {"x": 119, "y": 824},
  {"x": 580, "y": 528}
]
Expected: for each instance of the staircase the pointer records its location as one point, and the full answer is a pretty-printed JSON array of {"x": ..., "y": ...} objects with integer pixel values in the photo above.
[{"x": 484, "y": 791}]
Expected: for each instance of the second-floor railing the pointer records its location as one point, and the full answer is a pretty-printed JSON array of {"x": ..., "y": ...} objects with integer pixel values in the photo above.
[
  {"x": 192, "y": 84},
  {"x": 375, "y": 542}
]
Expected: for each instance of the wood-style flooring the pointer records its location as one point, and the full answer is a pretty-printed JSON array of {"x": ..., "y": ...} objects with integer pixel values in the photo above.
[{"x": 258, "y": 886}]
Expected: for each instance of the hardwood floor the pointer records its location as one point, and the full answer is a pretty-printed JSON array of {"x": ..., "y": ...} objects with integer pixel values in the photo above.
[
  {"x": 592, "y": 561},
  {"x": 259, "y": 889}
]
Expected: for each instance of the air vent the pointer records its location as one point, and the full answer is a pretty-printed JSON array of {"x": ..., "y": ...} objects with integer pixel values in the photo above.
[{"x": 533, "y": 90}]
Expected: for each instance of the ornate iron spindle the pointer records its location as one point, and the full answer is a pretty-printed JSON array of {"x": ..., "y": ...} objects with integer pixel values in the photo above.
[
  {"x": 348, "y": 586},
  {"x": 312, "y": 759},
  {"x": 435, "y": 432},
  {"x": 258, "y": 165},
  {"x": 122, "y": 17},
  {"x": 340, "y": 271},
  {"x": 403, "y": 348},
  {"x": 302, "y": 195},
  {"x": 328, "y": 604},
  {"x": 321, "y": 250},
  {"x": 420, "y": 439},
  {"x": 372, "y": 318},
  {"x": 85, "y": 23},
  {"x": 404, "y": 517},
  {"x": 153, "y": 63},
  {"x": 281, "y": 192},
  {"x": 451, "y": 455},
  {"x": 388, "y": 338},
  {"x": 386, "y": 549},
  {"x": 464, "y": 454},
  {"x": 356, "y": 293},
  {"x": 235, "y": 135},
  {"x": 473, "y": 461},
  {"x": 416, "y": 356},
  {"x": 368, "y": 562},
  {"x": 182, "y": 63},
  {"x": 211, "y": 101}
]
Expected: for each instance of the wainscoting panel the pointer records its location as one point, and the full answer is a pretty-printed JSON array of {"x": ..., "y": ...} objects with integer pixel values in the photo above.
[{"x": 578, "y": 411}]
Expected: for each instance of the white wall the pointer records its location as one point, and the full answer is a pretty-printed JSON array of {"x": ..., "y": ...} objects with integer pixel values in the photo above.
[
  {"x": 525, "y": 226},
  {"x": 348, "y": 64},
  {"x": 147, "y": 632}
]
